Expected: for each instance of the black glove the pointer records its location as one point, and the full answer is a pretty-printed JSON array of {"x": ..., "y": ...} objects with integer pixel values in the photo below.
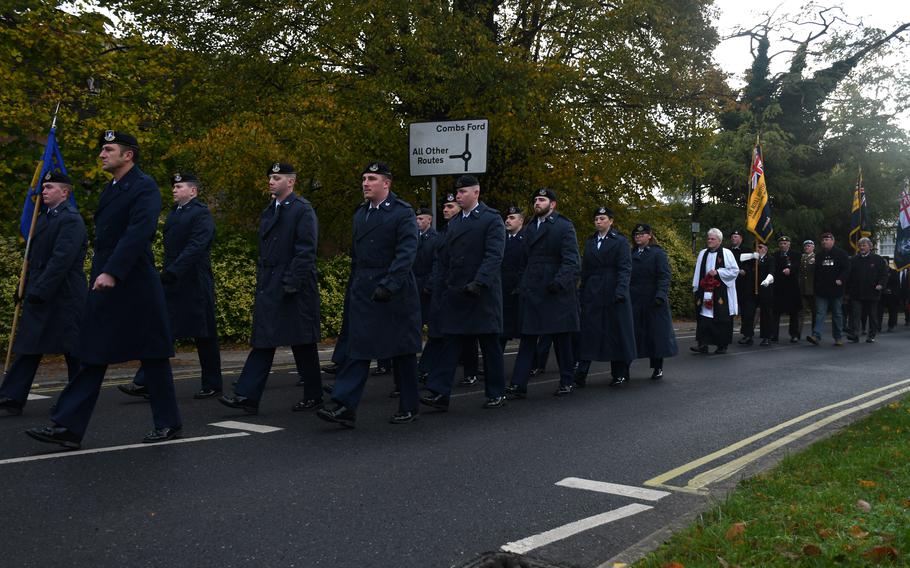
[
  {"x": 168, "y": 277},
  {"x": 619, "y": 300},
  {"x": 514, "y": 292},
  {"x": 288, "y": 289},
  {"x": 554, "y": 287},
  {"x": 426, "y": 292},
  {"x": 658, "y": 302},
  {"x": 381, "y": 294},
  {"x": 472, "y": 289},
  {"x": 33, "y": 299}
]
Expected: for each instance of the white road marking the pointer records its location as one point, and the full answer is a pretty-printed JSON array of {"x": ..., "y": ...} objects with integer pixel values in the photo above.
[
  {"x": 613, "y": 488},
  {"x": 32, "y": 396},
  {"x": 234, "y": 425},
  {"x": 68, "y": 454},
  {"x": 527, "y": 544}
]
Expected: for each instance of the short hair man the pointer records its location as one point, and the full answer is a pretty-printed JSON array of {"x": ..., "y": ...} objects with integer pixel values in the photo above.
[
  {"x": 832, "y": 267},
  {"x": 868, "y": 277}
]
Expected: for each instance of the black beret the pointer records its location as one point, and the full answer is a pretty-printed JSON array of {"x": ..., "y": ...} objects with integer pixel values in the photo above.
[
  {"x": 514, "y": 210},
  {"x": 424, "y": 211},
  {"x": 184, "y": 177},
  {"x": 115, "y": 137},
  {"x": 546, "y": 192},
  {"x": 604, "y": 211},
  {"x": 450, "y": 198},
  {"x": 736, "y": 232},
  {"x": 641, "y": 228},
  {"x": 380, "y": 168},
  {"x": 280, "y": 168},
  {"x": 56, "y": 177},
  {"x": 466, "y": 180},
  {"x": 783, "y": 238}
]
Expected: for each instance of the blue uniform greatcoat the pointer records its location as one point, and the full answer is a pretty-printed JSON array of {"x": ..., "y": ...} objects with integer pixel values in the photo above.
[
  {"x": 382, "y": 254},
  {"x": 650, "y": 282},
  {"x": 472, "y": 253},
  {"x": 607, "y": 331},
  {"x": 129, "y": 321},
  {"x": 287, "y": 258},
  {"x": 56, "y": 276},
  {"x": 423, "y": 269},
  {"x": 513, "y": 260},
  {"x": 188, "y": 234},
  {"x": 552, "y": 256}
]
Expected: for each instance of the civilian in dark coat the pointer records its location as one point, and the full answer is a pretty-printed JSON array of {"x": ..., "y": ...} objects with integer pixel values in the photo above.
[
  {"x": 469, "y": 275},
  {"x": 607, "y": 332},
  {"x": 746, "y": 287},
  {"x": 124, "y": 316},
  {"x": 767, "y": 281},
  {"x": 513, "y": 260},
  {"x": 549, "y": 304},
  {"x": 54, "y": 292},
  {"x": 286, "y": 308},
  {"x": 383, "y": 308},
  {"x": 832, "y": 267},
  {"x": 890, "y": 300},
  {"x": 649, "y": 288},
  {"x": 189, "y": 286},
  {"x": 787, "y": 297},
  {"x": 868, "y": 277}
]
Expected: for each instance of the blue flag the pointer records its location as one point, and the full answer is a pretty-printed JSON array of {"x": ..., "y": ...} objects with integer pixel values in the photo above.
[{"x": 50, "y": 162}]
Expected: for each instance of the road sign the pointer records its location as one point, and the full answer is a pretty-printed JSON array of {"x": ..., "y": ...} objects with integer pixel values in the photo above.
[{"x": 449, "y": 147}]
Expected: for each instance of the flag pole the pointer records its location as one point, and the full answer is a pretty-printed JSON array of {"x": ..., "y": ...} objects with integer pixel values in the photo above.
[{"x": 23, "y": 273}]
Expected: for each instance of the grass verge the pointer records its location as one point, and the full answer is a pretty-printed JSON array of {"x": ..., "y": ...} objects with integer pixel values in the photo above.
[{"x": 844, "y": 501}]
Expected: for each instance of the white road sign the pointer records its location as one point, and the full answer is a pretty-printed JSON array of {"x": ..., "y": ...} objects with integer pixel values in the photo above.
[{"x": 449, "y": 147}]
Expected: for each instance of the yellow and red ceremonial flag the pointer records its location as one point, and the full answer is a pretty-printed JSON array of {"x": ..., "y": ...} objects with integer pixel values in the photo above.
[
  {"x": 859, "y": 220},
  {"x": 758, "y": 208}
]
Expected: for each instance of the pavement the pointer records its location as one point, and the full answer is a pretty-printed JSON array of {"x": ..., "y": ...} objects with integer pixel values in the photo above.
[{"x": 588, "y": 480}]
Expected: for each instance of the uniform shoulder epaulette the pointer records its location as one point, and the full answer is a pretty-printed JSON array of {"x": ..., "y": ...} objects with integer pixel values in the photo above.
[
  {"x": 197, "y": 203},
  {"x": 402, "y": 202},
  {"x": 494, "y": 211}
]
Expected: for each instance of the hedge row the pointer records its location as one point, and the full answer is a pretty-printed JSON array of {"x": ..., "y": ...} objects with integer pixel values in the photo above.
[{"x": 234, "y": 268}]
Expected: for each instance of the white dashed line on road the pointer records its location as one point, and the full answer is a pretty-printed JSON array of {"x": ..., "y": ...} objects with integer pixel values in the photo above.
[
  {"x": 613, "y": 488},
  {"x": 246, "y": 426},
  {"x": 527, "y": 544}
]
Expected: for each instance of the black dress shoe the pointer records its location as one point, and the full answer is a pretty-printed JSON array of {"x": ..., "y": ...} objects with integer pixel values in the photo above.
[
  {"x": 56, "y": 435},
  {"x": 745, "y": 341},
  {"x": 161, "y": 434},
  {"x": 468, "y": 381},
  {"x": 496, "y": 402},
  {"x": 403, "y": 417},
  {"x": 794, "y": 340},
  {"x": 327, "y": 388},
  {"x": 870, "y": 339},
  {"x": 580, "y": 380},
  {"x": 206, "y": 393},
  {"x": 537, "y": 371},
  {"x": 765, "y": 342},
  {"x": 341, "y": 414},
  {"x": 436, "y": 400},
  {"x": 395, "y": 393},
  {"x": 379, "y": 371},
  {"x": 515, "y": 392},
  {"x": 620, "y": 380},
  {"x": 774, "y": 339},
  {"x": 812, "y": 339},
  {"x": 241, "y": 402},
  {"x": 563, "y": 390},
  {"x": 133, "y": 389},
  {"x": 10, "y": 406},
  {"x": 699, "y": 348},
  {"x": 853, "y": 339},
  {"x": 307, "y": 404},
  {"x": 423, "y": 377},
  {"x": 721, "y": 350},
  {"x": 331, "y": 369},
  {"x": 657, "y": 374}
]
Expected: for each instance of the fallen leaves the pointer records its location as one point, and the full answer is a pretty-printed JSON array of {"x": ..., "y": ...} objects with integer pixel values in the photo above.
[
  {"x": 863, "y": 506},
  {"x": 881, "y": 553},
  {"x": 812, "y": 550},
  {"x": 673, "y": 565},
  {"x": 857, "y": 531},
  {"x": 735, "y": 530},
  {"x": 867, "y": 483}
]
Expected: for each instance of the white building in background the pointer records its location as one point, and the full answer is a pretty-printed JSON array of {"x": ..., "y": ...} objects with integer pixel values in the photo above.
[{"x": 886, "y": 241}]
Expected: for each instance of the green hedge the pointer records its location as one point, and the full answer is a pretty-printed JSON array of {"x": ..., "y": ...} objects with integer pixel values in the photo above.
[{"x": 234, "y": 268}]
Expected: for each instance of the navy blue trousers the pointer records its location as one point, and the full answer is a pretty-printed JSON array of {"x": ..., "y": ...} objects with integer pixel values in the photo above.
[
  {"x": 442, "y": 379},
  {"x": 255, "y": 373},
  {"x": 209, "y": 361},
  {"x": 352, "y": 377},
  {"x": 77, "y": 401},
  {"x": 21, "y": 375},
  {"x": 527, "y": 355}
]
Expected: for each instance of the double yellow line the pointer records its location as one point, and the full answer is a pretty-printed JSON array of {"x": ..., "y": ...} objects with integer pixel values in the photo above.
[{"x": 698, "y": 483}]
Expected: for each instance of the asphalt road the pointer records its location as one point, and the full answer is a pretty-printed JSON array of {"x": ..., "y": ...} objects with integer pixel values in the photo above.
[{"x": 442, "y": 490}]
